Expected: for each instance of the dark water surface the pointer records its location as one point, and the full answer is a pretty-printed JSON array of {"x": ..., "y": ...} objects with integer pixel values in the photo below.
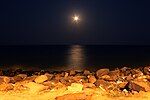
[{"x": 64, "y": 57}]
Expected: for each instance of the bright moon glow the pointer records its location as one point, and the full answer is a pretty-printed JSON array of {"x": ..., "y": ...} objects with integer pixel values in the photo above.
[{"x": 76, "y": 18}]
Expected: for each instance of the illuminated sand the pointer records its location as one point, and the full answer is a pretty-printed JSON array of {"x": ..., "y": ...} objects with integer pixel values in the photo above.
[{"x": 119, "y": 84}]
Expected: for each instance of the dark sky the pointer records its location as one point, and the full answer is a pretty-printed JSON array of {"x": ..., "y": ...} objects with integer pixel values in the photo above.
[{"x": 25, "y": 22}]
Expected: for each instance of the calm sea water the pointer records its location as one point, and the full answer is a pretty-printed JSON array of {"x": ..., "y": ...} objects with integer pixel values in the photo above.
[{"x": 78, "y": 57}]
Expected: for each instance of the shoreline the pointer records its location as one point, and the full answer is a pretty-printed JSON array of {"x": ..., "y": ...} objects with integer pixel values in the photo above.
[{"x": 119, "y": 83}]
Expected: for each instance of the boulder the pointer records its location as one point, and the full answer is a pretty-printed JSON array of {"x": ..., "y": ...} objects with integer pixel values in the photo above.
[
  {"x": 147, "y": 70},
  {"x": 100, "y": 82},
  {"x": 88, "y": 85},
  {"x": 101, "y": 72},
  {"x": 35, "y": 88},
  {"x": 41, "y": 79},
  {"x": 75, "y": 87},
  {"x": 91, "y": 79},
  {"x": 23, "y": 76},
  {"x": 49, "y": 76},
  {"x": 139, "y": 86},
  {"x": 6, "y": 79},
  {"x": 72, "y": 72},
  {"x": 86, "y": 72}
]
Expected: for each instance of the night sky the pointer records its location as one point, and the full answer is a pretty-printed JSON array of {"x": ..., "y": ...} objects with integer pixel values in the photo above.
[{"x": 46, "y": 22}]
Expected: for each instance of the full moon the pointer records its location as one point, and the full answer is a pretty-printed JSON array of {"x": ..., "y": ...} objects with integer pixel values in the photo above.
[{"x": 76, "y": 18}]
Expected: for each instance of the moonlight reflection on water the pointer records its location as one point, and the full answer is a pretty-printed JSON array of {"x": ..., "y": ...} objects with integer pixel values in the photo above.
[{"x": 76, "y": 57}]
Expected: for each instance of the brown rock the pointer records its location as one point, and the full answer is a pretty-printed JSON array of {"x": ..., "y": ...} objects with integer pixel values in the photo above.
[
  {"x": 41, "y": 79},
  {"x": 49, "y": 76},
  {"x": 17, "y": 78},
  {"x": 100, "y": 82},
  {"x": 129, "y": 78},
  {"x": 66, "y": 74},
  {"x": 88, "y": 85},
  {"x": 147, "y": 70},
  {"x": 114, "y": 75},
  {"x": 139, "y": 86},
  {"x": 106, "y": 77},
  {"x": 121, "y": 84},
  {"x": 92, "y": 79},
  {"x": 101, "y": 72},
  {"x": 23, "y": 76},
  {"x": 86, "y": 72},
  {"x": 6, "y": 79},
  {"x": 6, "y": 87},
  {"x": 72, "y": 72}
]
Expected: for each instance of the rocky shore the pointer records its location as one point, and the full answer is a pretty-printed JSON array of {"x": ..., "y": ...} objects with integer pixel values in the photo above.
[{"x": 118, "y": 82}]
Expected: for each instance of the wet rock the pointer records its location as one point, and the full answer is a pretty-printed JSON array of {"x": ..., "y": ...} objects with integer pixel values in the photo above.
[
  {"x": 41, "y": 79},
  {"x": 72, "y": 72},
  {"x": 147, "y": 70},
  {"x": 91, "y": 79},
  {"x": 86, "y": 72},
  {"x": 6, "y": 87},
  {"x": 139, "y": 86},
  {"x": 101, "y": 72}
]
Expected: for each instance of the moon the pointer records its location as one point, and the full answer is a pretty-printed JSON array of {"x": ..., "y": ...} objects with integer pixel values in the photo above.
[{"x": 76, "y": 18}]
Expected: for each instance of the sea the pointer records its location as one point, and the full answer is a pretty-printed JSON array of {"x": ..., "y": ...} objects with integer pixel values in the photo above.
[{"x": 73, "y": 57}]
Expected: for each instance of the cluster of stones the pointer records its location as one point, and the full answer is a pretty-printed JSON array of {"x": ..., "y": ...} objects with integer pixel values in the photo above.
[{"x": 123, "y": 80}]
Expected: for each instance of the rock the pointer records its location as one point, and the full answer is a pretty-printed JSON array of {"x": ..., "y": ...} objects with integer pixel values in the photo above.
[
  {"x": 91, "y": 79},
  {"x": 6, "y": 87},
  {"x": 41, "y": 79},
  {"x": 49, "y": 76},
  {"x": 139, "y": 86},
  {"x": 78, "y": 79},
  {"x": 121, "y": 85},
  {"x": 72, "y": 72},
  {"x": 16, "y": 79},
  {"x": 35, "y": 88},
  {"x": 75, "y": 87},
  {"x": 101, "y": 72},
  {"x": 106, "y": 77},
  {"x": 66, "y": 74},
  {"x": 18, "y": 86},
  {"x": 23, "y": 76},
  {"x": 129, "y": 78},
  {"x": 147, "y": 70},
  {"x": 88, "y": 85},
  {"x": 100, "y": 82},
  {"x": 6, "y": 79},
  {"x": 86, "y": 72}
]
